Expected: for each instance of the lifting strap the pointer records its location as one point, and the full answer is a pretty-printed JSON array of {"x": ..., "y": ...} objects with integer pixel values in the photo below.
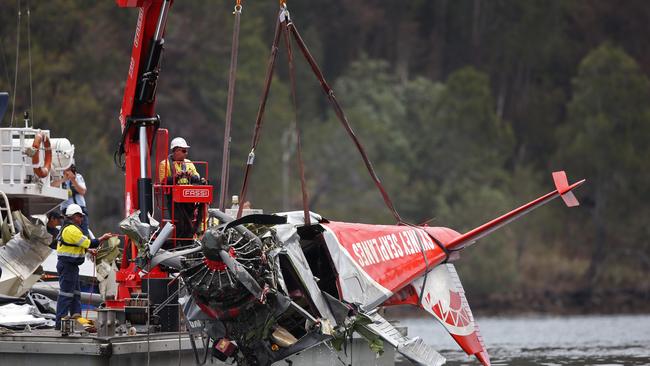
[
  {"x": 343, "y": 119},
  {"x": 301, "y": 165},
  {"x": 284, "y": 22},
  {"x": 232, "y": 77},
  {"x": 260, "y": 115}
]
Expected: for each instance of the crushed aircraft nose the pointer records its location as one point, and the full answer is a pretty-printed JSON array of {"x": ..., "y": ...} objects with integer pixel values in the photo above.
[
  {"x": 22, "y": 255},
  {"x": 233, "y": 268}
]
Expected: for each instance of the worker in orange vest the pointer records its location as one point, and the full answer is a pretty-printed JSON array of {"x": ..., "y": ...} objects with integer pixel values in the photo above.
[{"x": 178, "y": 169}]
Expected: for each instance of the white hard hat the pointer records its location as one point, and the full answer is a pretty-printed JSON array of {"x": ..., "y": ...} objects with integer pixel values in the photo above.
[
  {"x": 73, "y": 209},
  {"x": 179, "y": 142}
]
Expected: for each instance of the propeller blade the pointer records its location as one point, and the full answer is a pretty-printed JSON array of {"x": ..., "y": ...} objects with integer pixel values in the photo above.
[{"x": 241, "y": 274}]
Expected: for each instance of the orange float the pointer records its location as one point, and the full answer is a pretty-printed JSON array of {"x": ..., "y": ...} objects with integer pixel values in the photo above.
[{"x": 44, "y": 170}]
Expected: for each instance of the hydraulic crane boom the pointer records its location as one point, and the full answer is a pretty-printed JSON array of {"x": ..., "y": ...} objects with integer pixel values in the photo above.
[
  {"x": 137, "y": 115},
  {"x": 139, "y": 121}
]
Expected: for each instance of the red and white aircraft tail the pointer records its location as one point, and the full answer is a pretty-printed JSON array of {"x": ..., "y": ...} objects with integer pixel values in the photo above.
[
  {"x": 440, "y": 292},
  {"x": 443, "y": 297}
]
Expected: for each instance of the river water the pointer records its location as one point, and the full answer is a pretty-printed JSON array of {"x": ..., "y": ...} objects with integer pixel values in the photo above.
[{"x": 534, "y": 340}]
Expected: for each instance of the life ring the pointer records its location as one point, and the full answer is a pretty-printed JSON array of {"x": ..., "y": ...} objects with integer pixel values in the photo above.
[{"x": 44, "y": 170}]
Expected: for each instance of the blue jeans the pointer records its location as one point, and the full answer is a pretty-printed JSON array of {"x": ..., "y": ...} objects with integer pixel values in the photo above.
[{"x": 69, "y": 300}]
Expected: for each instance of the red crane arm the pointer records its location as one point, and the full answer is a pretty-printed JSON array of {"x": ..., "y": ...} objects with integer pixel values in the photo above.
[
  {"x": 137, "y": 115},
  {"x": 139, "y": 122}
]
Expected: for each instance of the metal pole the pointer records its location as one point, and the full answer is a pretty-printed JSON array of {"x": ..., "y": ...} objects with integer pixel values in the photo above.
[
  {"x": 145, "y": 194},
  {"x": 143, "y": 151},
  {"x": 161, "y": 21}
]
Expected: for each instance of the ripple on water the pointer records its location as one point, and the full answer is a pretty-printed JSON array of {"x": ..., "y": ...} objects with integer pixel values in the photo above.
[{"x": 551, "y": 341}]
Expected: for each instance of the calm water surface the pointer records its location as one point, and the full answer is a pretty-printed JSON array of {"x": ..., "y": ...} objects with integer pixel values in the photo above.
[{"x": 549, "y": 341}]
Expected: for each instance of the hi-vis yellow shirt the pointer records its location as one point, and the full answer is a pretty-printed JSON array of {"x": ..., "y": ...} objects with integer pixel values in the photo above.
[
  {"x": 164, "y": 170},
  {"x": 73, "y": 243}
]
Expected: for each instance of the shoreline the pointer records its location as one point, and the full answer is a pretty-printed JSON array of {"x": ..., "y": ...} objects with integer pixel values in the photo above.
[{"x": 578, "y": 302}]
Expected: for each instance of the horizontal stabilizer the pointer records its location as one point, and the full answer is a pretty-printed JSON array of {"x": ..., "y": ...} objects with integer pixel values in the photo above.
[
  {"x": 414, "y": 349},
  {"x": 563, "y": 189}
]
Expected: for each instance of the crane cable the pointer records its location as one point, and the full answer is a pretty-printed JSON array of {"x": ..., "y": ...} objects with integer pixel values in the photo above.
[
  {"x": 13, "y": 103},
  {"x": 232, "y": 78},
  {"x": 340, "y": 114},
  {"x": 29, "y": 57},
  {"x": 343, "y": 118},
  {"x": 260, "y": 115},
  {"x": 292, "y": 77}
]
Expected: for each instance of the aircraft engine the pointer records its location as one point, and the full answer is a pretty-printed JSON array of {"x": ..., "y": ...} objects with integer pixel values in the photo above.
[{"x": 233, "y": 262}]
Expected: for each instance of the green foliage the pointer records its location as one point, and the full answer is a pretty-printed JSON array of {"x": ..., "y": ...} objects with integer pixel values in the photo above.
[
  {"x": 463, "y": 107},
  {"x": 605, "y": 139}
]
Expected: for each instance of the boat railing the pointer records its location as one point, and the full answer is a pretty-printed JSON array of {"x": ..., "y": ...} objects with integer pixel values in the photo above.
[
  {"x": 15, "y": 165},
  {"x": 5, "y": 211},
  {"x": 19, "y": 175}
]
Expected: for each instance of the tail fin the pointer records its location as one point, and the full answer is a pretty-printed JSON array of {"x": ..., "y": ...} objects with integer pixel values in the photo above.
[
  {"x": 443, "y": 296},
  {"x": 563, "y": 188}
]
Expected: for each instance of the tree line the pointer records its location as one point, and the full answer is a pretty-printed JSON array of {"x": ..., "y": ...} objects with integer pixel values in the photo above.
[{"x": 464, "y": 107}]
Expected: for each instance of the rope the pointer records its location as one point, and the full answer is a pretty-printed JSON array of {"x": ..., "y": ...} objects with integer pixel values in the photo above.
[
  {"x": 178, "y": 311},
  {"x": 148, "y": 316},
  {"x": 343, "y": 119},
  {"x": 206, "y": 347},
  {"x": 232, "y": 78},
  {"x": 13, "y": 103},
  {"x": 29, "y": 53},
  {"x": 301, "y": 165},
  {"x": 260, "y": 115}
]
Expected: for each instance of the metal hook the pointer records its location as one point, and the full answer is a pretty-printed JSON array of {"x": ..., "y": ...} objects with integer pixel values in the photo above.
[{"x": 284, "y": 12}]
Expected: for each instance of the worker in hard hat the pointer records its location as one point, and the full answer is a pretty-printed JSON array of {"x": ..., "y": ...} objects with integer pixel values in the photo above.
[
  {"x": 178, "y": 169},
  {"x": 71, "y": 248},
  {"x": 74, "y": 183}
]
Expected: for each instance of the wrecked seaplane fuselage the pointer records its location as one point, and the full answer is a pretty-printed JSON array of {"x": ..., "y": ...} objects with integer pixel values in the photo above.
[{"x": 265, "y": 287}]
